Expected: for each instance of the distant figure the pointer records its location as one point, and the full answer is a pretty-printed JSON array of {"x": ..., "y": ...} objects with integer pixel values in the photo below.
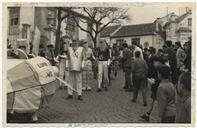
[
  {"x": 172, "y": 59},
  {"x": 137, "y": 48},
  {"x": 50, "y": 55},
  {"x": 180, "y": 58},
  {"x": 146, "y": 45},
  {"x": 127, "y": 67},
  {"x": 187, "y": 61},
  {"x": 160, "y": 53}
]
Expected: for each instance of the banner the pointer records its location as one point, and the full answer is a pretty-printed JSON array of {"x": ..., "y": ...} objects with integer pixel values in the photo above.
[{"x": 43, "y": 69}]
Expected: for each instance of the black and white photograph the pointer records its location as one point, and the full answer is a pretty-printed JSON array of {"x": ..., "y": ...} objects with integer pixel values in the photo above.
[{"x": 110, "y": 63}]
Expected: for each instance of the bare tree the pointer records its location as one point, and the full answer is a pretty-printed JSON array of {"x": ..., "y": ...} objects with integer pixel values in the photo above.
[
  {"x": 101, "y": 17},
  {"x": 60, "y": 17}
]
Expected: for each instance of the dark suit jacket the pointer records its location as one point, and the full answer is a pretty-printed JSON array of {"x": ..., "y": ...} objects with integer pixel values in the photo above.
[{"x": 127, "y": 58}]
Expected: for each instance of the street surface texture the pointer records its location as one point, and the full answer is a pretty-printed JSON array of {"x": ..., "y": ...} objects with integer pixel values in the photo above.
[{"x": 112, "y": 106}]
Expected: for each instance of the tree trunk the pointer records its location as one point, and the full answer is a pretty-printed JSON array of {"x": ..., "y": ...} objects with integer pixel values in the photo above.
[
  {"x": 95, "y": 40},
  {"x": 95, "y": 43},
  {"x": 57, "y": 39}
]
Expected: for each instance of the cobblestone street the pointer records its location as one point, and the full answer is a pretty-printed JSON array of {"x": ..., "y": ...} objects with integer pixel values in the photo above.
[{"x": 112, "y": 106}]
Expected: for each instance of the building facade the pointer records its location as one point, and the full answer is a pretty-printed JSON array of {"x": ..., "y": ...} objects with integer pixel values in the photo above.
[
  {"x": 23, "y": 25},
  {"x": 179, "y": 29}
]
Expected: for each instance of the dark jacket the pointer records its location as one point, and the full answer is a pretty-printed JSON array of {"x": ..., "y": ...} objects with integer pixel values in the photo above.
[
  {"x": 103, "y": 55},
  {"x": 139, "y": 68},
  {"x": 187, "y": 61},
  {"x": 172, "y": 56},
  {"x": 127, "y": 58}
]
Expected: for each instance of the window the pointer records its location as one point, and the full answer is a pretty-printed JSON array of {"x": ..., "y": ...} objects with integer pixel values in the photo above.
[
  {"x": 189, "y": 21},
  {"x": 51, "y": 20},
  {"x": 120, "y": 42},
  {"x": 70, "y": 24},
  {"x": 136, "y": 39},
  {"x": 14, "y": 16}
]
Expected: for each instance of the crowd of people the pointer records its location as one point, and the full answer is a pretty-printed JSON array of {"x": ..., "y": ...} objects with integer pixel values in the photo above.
[{"x": 166, "y": 71}]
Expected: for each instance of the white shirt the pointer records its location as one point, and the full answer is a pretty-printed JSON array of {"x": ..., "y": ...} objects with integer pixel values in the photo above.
[
  {"x": 75, "y": 59},
  {"x": 140, "y": 50}
]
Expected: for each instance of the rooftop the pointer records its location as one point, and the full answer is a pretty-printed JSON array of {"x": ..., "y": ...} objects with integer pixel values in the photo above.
[
  {"x": 109, "y": 30},
  {"x": 135, "y": 30}
]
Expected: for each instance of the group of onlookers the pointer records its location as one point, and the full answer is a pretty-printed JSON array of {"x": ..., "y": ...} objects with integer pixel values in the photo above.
[{"x": 167, "y": 72}]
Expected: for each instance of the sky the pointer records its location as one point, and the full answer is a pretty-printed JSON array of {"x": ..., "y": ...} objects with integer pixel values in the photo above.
[{"x": 149, "y": 13}]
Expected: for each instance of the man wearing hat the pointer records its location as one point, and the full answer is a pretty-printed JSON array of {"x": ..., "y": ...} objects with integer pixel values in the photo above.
[{"x": 75, "y": 58}]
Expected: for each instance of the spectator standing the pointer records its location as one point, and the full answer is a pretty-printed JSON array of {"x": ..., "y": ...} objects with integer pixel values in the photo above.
[
  {"x": 180, "y": 58},
  {"x": 136, "y": 48},
  {"x": 166, "y": 96},
  {"x": 87, "y": 70},
  {"x": 172, "y": 59},
  {"x": 139, "y": 70},
  {"x": 153, "y": 64},
  {"x": 50, "y": 55},
  {"x": 127, "y": 66},
  {"x": 103, "y": 56},
  {"x": 187, "y": 61},
  {"x": 62, "y": 64}
]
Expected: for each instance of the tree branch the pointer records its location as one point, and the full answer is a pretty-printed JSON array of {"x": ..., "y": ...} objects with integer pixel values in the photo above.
[
  {"x": 104, "y": 26},
  {"x": 63, "y": 17},
  {"x": 91, "y": 27},
  {"x": 86, "y": 11}
]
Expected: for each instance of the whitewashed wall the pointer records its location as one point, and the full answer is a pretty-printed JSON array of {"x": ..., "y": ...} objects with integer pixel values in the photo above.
[
  {"x": 27, "y": 16},
  {"x": 143, "y": 39}
]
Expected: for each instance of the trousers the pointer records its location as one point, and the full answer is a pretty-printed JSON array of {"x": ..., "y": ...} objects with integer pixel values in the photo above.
[
  {"x": 86, "y": 78},
  {"x": 102, "y": 73},
  {"x": 140, "y": 84},
  {"x": 75, "y": 80},
  {"x": 128, "y": 81}
]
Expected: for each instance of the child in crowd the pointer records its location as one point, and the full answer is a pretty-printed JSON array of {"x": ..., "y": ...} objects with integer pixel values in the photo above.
[{"x": 166, "y": 96}]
